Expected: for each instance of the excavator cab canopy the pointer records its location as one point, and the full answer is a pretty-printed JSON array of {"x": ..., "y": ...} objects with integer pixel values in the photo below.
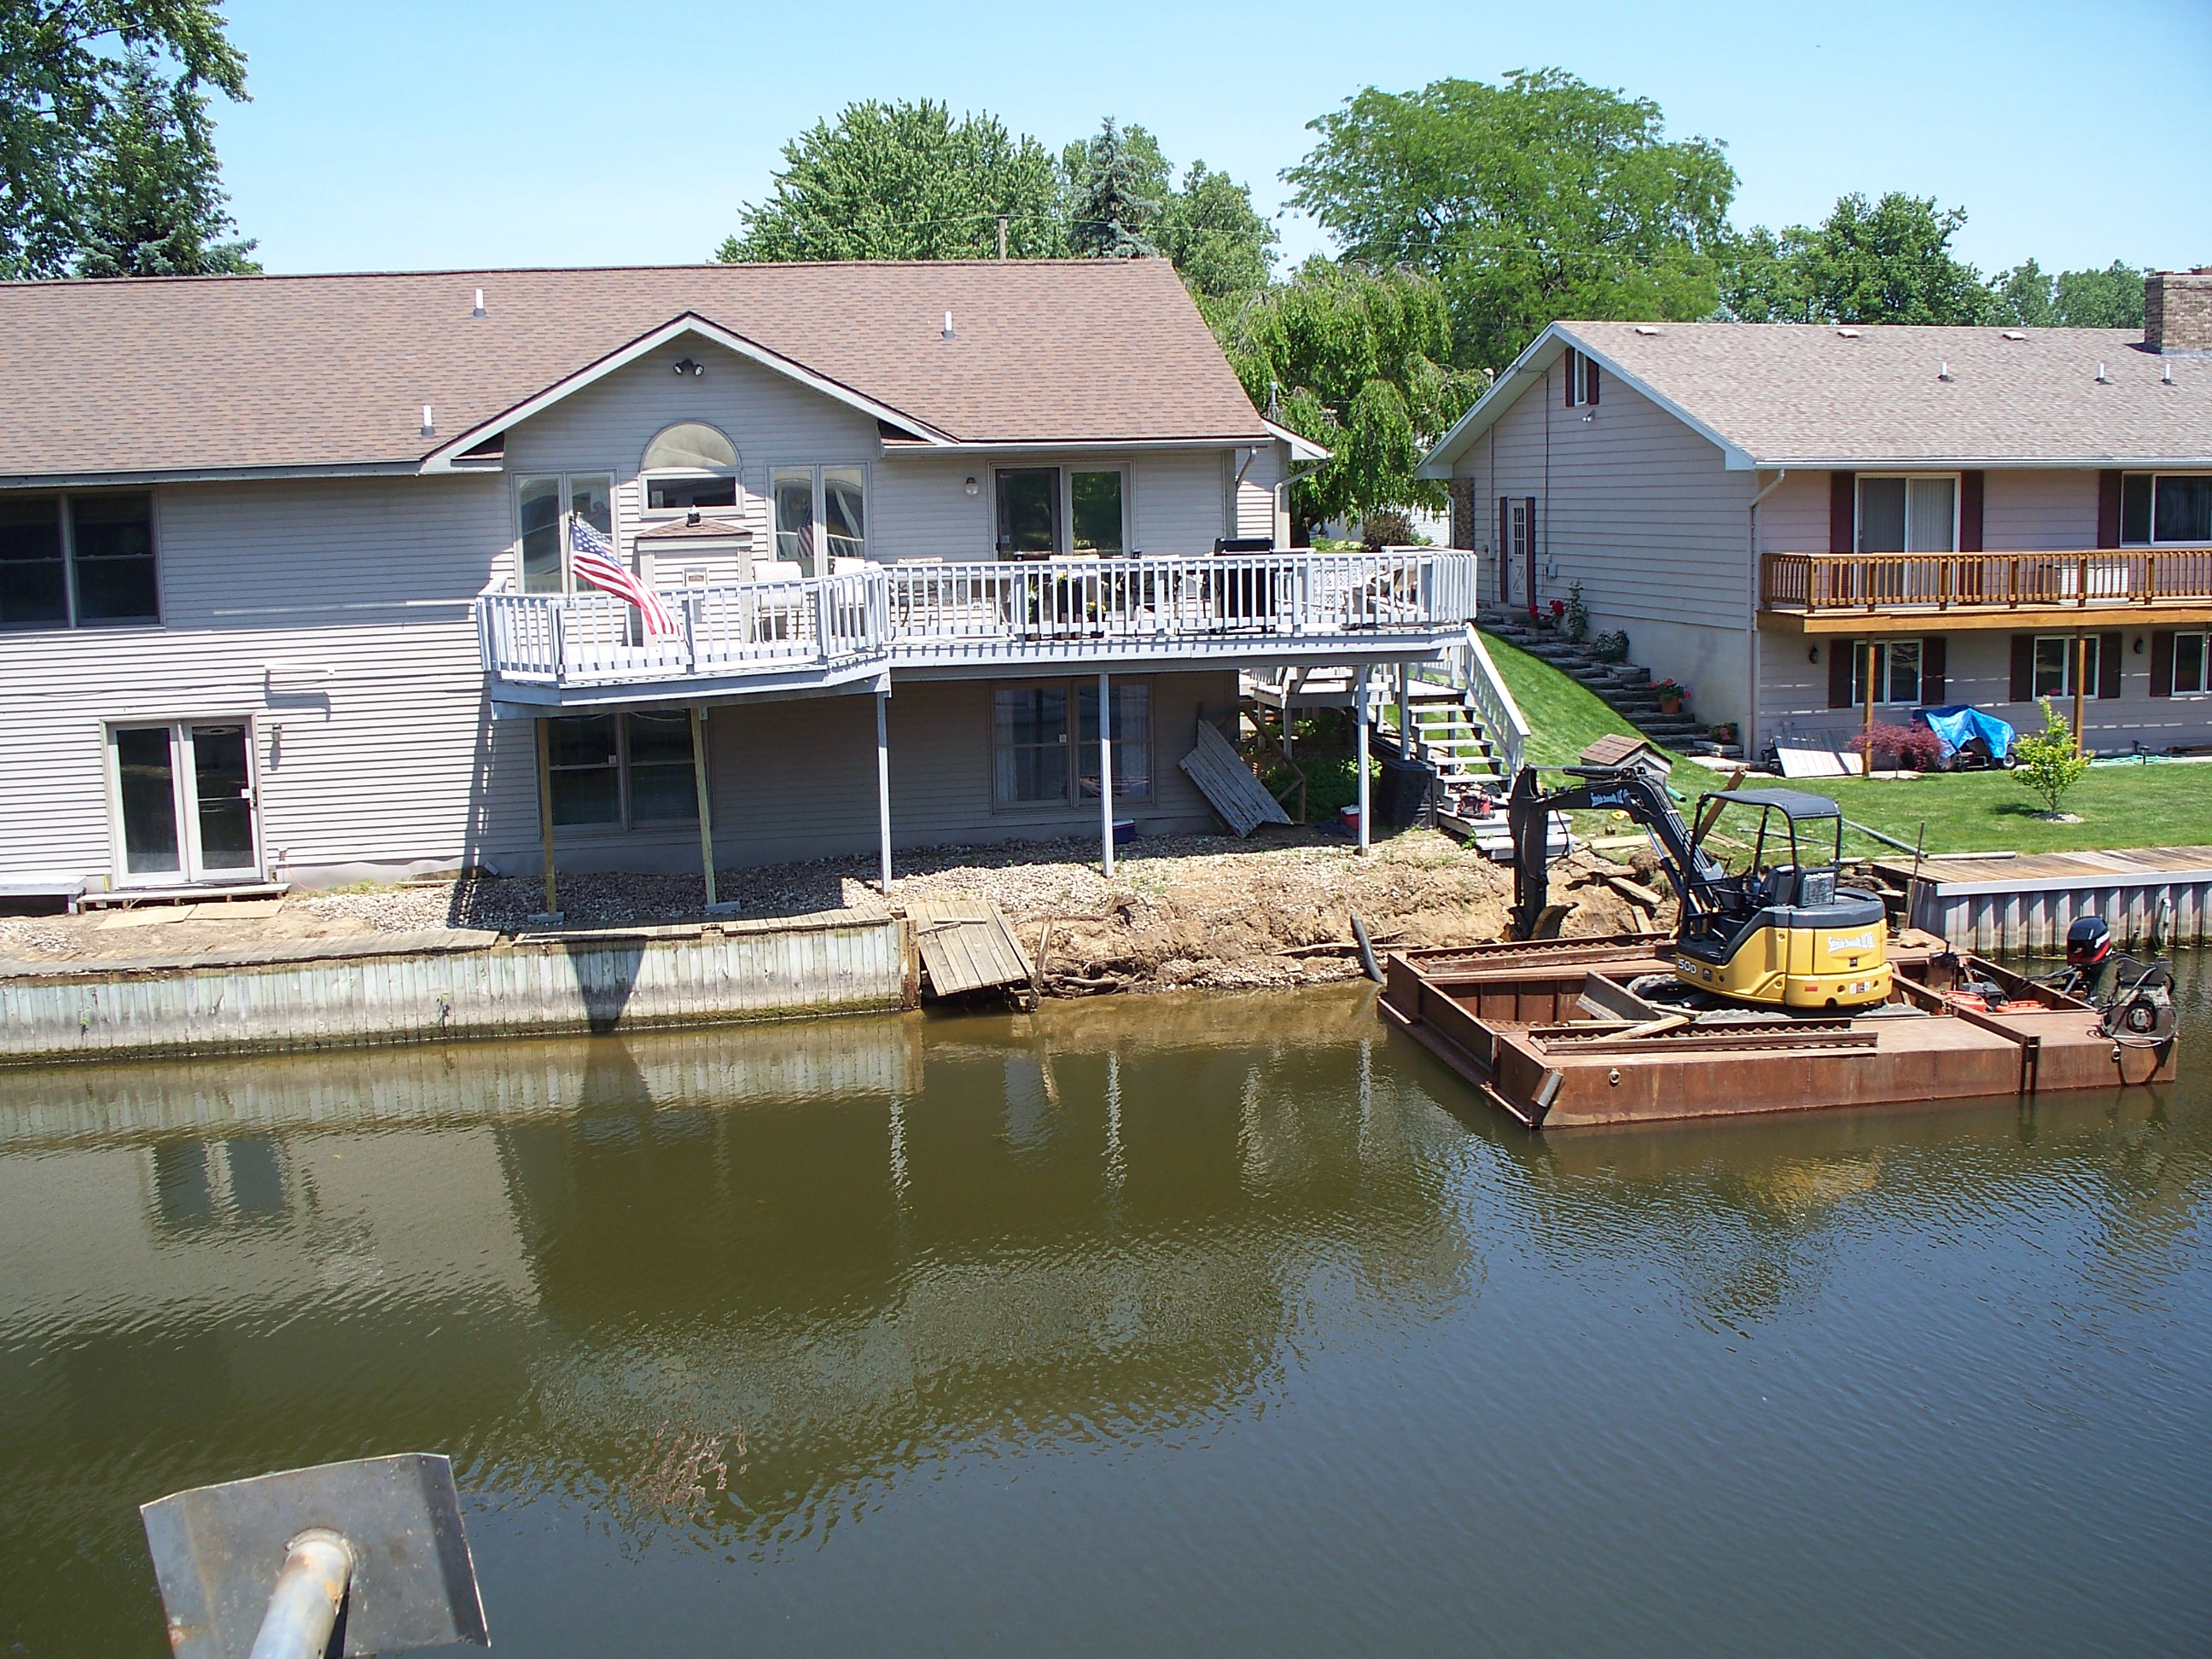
[{"x": 1793, "y": 855}]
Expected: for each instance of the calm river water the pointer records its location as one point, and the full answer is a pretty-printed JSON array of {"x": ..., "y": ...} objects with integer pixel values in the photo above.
[{"x": 1217, "y": 1326}]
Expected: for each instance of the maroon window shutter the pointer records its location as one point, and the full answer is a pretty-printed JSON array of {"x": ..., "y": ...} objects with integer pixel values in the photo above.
[
  {"x": 2108, "y": 509},
  {"x": 2023, "y": 668},
  {"x": 1842, "y": 511},
  {"x": 2109, "y": 648},
  {"x": 1842, "y": 653},
  {"x": 1931, "y": 671},
  {"x": 1589, "y": 383},
  {"x": 2162, "y": 662},
  {"x": 1568, "y": 362},
  {"x": 1970, "y": 511},
  {"x": 1505, "y": 549}
]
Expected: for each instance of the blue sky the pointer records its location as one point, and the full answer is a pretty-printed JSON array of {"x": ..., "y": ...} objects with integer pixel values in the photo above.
[{"x": 405, "y": 134}]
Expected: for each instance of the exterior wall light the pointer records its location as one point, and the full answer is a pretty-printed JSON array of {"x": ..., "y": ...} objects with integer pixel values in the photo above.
[
  {"x": 686, "y": 366},
  {"x": 970, "y": 487}
]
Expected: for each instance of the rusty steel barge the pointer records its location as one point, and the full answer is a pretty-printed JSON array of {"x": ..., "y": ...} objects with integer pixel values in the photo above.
[{"x": 1560, "y": 1033}]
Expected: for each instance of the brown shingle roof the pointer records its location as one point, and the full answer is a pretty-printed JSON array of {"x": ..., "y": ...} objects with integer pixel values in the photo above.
[
  {"x": 279, "y": 372},
  {"x": 1805, "y": 394}
]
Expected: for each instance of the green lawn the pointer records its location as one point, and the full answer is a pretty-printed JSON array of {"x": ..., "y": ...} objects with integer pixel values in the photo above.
[
  {"x": 2163, "y": 805},
  {"x": 1564, "y": 716},
  {"x": 2158, "y": 805}
]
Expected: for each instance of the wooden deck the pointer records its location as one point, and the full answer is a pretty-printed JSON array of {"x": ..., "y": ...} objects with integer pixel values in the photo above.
[{"x": 2027, "y": 902}]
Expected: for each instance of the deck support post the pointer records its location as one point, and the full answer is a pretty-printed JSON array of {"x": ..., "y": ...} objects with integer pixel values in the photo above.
[
  {"x": 545, "y": 811},
  {"x": 1359, "y": 762},
  {"x": 1406, "y": 713},
  {"x": 883, "y": 789},
  {"x": 2080, "y": 690},
  {"x": 1866, "y": 760},
  {"x": 1105, "y": 776},
  {"x": 706, "y": 811}
]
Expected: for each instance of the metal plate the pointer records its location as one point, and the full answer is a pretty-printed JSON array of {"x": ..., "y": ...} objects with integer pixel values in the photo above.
[{"x": 217, "y": 1550}]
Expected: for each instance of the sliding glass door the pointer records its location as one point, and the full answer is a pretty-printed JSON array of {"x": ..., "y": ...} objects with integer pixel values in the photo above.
[{"x": 184, "y": 799}]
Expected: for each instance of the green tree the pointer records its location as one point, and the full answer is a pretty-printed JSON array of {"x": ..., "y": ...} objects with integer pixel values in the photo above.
[
  {"x": 152, "y": 202},
  {"x": 60, "y": 81},
  {"x": 1356, "y": 361},
  {"x": 1538, "y": 198},
  {"x": 2110, "y": 298},
  {"x": 1889, "y": 261},
  {"x": 905, "y": 181},
  {"x": 1218, "y": 243},
  {"x": 1116, "y": 191}
]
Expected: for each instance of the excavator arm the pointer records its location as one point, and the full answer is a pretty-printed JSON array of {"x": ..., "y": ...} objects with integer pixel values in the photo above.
[{"x": 1632, "y": 789}]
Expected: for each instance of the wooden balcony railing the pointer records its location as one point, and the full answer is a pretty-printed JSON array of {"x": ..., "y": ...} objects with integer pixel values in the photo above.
[
  {"x": 1071, "y": 611},
  {"x": 1813, "y": 582}
]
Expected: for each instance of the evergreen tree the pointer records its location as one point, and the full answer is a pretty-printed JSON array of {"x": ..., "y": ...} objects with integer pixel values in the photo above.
[
  {"x": 152, "y": 200},
  {"x": 1116, "y": 191},
  {"x": 60, "y": 89}
]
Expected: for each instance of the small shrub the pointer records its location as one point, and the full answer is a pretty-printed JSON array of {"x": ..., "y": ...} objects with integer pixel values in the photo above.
[
  {"x": 1575, "y": 622},
  {"x": 2050, "y": 762},
  {"x": 1900, "y": 748},
  {"x": 1612, "y": 646},
  {"x": 1386, "y": 528}
]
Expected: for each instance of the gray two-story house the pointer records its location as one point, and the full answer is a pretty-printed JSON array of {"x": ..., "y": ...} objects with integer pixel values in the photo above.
[
  {"x": 297, "y": 573},
  {"x": 1786, "y": 519}
]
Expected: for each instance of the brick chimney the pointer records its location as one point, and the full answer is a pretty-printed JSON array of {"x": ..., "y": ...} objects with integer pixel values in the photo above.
[{"x": 2177, "y": 310}]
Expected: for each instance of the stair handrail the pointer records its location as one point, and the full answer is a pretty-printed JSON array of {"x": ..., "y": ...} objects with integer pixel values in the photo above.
[{"x": 1486, "y": 689}]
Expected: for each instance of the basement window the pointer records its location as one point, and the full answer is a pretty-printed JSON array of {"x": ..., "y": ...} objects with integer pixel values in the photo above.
[
  {"x": 611, "y": 770},
  {"x": 1031, "y": 735}
]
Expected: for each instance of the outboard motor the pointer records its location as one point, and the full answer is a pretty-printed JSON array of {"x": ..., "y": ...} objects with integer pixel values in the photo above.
[{"x": 2088, "y": 942}]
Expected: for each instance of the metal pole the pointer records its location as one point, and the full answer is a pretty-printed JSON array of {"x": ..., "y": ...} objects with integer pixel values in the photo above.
[
  {"x": 1866, "y": 760},
  {"x": 304, "y": 1606},
  {"x": 1359, "y": 744},
  {"x": 2080, "y": 674},
  {"x": 1405, "y": 712},
  {"x": 884, "y": 788},
  {"x": 545, "y": 810},
  {"x": 1106, "y": 775},
  {"x": 706, "y": 811}
]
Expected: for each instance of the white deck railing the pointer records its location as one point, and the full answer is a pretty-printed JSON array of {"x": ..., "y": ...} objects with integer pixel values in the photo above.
[{"x": 985, "y": 612}]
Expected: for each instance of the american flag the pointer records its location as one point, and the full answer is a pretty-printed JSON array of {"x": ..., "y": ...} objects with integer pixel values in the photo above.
[{"x": 594, "y": 561}]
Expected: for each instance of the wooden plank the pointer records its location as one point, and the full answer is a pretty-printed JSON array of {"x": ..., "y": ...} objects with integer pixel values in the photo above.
[
  {"x": 967, "y": 944},
  {"x": 1228, "y": 784}
]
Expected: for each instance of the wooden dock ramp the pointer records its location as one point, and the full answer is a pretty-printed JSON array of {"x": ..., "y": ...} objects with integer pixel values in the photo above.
[
  {"x": 967, "y": 944},
  {"x": 1228, "y": 784}
]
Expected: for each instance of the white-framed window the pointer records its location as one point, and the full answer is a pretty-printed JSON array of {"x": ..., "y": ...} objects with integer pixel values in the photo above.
[
  {"x": 1035, "y": 726},
  {"x": 2054, "y": 665},
  {"x": 688, "y": 467},
  {"x": 1908, "y": 512},
  {"x": 1897, "y": 672},
  {"x": 78, "y": 560},
  {"x": 1040, "y": 511},
  {"x": 542, "y": 503},
  {"x": 184, "y": 801},
  {"x": 2192, "y": 664},
  {"x": 821, "y": 514},
  {"x": 617, "y": 771},
  {"x": 1098, "y": 511},
  {"x": 2162, "y": 508},
  {"x": 1582, "y": 380}
]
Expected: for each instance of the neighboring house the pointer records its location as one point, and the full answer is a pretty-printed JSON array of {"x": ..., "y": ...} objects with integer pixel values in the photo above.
[
  {"x": 1766, "y": 509},
  {"x": 287, "y": 584}
]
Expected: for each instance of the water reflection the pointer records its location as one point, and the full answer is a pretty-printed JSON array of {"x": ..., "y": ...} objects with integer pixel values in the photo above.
[{"x": 725, "y": 1292}]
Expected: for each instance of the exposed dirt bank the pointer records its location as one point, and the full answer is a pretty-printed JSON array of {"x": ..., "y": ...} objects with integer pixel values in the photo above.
[{"x": 1197, "y": 911}]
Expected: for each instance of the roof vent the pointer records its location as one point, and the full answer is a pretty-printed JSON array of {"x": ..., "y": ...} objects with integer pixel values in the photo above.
[
  {"x": 2013, "y": 334},
  {"x": 429, "y": 423},
  {"x": 1645, "y": 328},
  {"x": 2166, "y": 378},
  {"x": 1847, "y": 333},
  {"x": 948, "y": 324},
  {"x": 2103, "y": 378},
  {"x": 1943, "y": 369},
  {"x": 479, "y": 311}
]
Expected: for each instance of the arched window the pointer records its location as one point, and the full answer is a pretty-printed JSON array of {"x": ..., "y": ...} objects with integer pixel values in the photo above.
[{"x": 689, "y": 464}]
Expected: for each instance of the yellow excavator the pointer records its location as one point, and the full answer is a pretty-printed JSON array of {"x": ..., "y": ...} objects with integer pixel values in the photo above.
[{"x": 1782, "y": 934}]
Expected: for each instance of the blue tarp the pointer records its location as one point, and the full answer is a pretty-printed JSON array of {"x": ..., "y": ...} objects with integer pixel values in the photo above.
[{"x": 1960, "y": 724}]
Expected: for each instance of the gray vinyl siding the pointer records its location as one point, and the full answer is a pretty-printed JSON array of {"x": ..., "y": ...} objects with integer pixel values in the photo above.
[
  {"x": 1631, "y": 502},
  {"x": 1254, "y": 505},
  {"x": 796, "y": 780},
  {"x": 279, "y": 607}
]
